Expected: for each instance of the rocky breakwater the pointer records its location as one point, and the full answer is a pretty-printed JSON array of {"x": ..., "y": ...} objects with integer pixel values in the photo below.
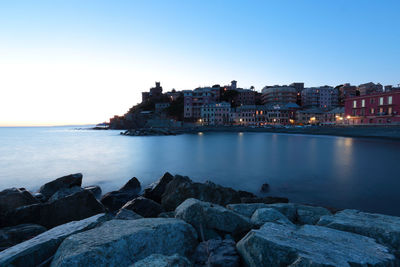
[
  {"x": 178, "y": 222},
  {"x": 150, "y": 132}
]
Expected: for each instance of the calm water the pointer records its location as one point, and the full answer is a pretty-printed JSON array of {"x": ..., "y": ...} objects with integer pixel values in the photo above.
[{"x": 332, "y": 171}]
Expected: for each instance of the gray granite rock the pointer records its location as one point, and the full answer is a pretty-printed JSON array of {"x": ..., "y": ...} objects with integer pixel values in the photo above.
[
  {"x": 74, "y": 207},
  {"x": 159, "y": 260},
  {"x": 10, "y": 236},
  {"x": 124, "y": 242},
  {"x": 384, "y": 229},
  {"x": 207, "y": 216},
  {"x": 215, "y": 253},
  {"x": 64, "y": 192},
  {"x": 124, "y": 214},
  {"x": 114, "y": 200},
  {"x": 13, "y": 198},
  {"x": 37, "y": 250},
  {"x": 264, "y": 215},
  {"x": 309, "y": 245},
  {"x": 68, "y": 181},
  {"x": 246, "y": 209},
  {"x": 144, "y": 207},
  {"x": 155, "y": 190},
  {"x": 300, "y": 214},
  {"x": 94, "y": 189}
]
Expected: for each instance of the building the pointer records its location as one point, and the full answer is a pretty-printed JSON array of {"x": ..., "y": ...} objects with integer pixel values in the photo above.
[
  {"x": 216, "y": 114},
  {"x": 299, "y": 87},
  {"x": 369, "y": 88},
  {"x": 245, "y": 115},
  {"x": 334, "y": 117},
  {"x": 159, "y": 107},
  {"x": 375, "y": 108},
  {"x": 324, "y": 97},
  {"x": 154, "y": 93},
  {"x": 282, "y": 114},
  {"x": 245, "y": 97},
  {"x": 310, "y": 116},
  {"x": 173, "y": 95},
  {"x": 195, "y": 99},
  {"x": 346, "y": 90},
  {"x": 279, "y": 94}
]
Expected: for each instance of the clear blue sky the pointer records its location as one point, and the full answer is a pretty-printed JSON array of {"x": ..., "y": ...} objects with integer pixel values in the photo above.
[{"x": 87, "y": 60}]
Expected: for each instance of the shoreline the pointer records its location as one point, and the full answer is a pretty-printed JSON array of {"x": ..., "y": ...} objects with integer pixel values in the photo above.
[
  {"x": 177, "y": 220},
  {"x": 384, "y": 132}
]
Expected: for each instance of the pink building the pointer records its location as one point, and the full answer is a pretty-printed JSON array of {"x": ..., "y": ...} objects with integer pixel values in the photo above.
[
  {"x": 376, "y": 108},
  {"x": 195, "y": 99}
]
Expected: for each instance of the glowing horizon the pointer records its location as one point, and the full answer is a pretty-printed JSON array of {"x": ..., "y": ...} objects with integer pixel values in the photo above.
[{"x": 75, "y": 62}]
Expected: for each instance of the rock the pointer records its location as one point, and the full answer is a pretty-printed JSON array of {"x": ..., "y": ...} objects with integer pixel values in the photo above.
[
  {"x": 264, "y": 215},
  {"x": 124, "y": 242},
  {"x": 37, "y": 250},
  {"x": 300, "y": 214},
  {"x": 182, "y": 188},
  {"x": 95, "y": 190},
  {"x": 246, "y": 194},
  {"x": 384, "y": 229},
  {"x": 287, "y": 209},
  {"x": 265, "y": 200},
  {"x": 216, "y": 253},
  {"x": 159, "y": 260},
  {"x": 10, "y": 236},
  {"x": 63, "y": 192},
  {"x": 205, "y": 216},
  {"x": 246, "y": 209},
  {"x": 282, "y": 245},
  {"x": 310, "y": 214},
  {"x": 114, "y": 200},
  {"x": 125, "y": 214},
  {"x": 168, "y": 214},
  {"x": 13, "y": 198},
  {"x": 74, "y": 207},
  {"x": 155, "y": 190},
  {"x": 144, "y": 207},
  {"x": 40, "y": 197},
  {"x": 63, "y": 182},
  {"x": 265, "y": 188}
]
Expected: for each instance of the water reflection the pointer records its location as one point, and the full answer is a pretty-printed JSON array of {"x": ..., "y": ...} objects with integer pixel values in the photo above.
[{"x": 333, "y": 171}]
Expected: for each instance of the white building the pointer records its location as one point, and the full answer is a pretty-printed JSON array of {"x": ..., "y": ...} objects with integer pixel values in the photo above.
[{"x": 216, "y": 114}]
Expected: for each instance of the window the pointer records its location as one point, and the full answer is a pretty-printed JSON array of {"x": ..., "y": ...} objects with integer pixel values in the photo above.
[
  {"x": 390, "y": 110},
  {"x": 372, "y": 111},
  {"x": 381, "y": 101},
  {"x": 389, "y": 100},
  {"x": 363, "y": 103},
  {"x": 354, "y": 103},
  {"x": 371, "y": 101}
]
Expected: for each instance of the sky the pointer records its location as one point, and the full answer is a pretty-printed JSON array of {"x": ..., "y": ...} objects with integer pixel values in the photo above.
[{"x": 82, "y": 62}]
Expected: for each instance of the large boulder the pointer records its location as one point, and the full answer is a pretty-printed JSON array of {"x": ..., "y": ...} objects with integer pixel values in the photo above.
[
  {"x": 124, "y": 214},
  {"x": 182, "y": 188},
  {"x": 246, "y": 209},
  {"x": 155, "y": 190},
  {"x": 384, "y": 229},
  {"x": 144, "y": 207},
  {"x": 65, "y": 192},
  {"x": 10, "y": 236},
  {"x": 39, "y": 249},
  {"x": 159, "y": 260},
  {"x": 264, "y": 215},
  {"x": 63, "y": 182},
  {"x": 95, "y": 190},
  {"x": 216, "y": 253},
  {"x": 283, "y": 245},
  {"x": 124, "y": 242},
  {"x": 74, "y": 207},
  {"x": 114, "y": 200},
  {"x": 13, "y": 198},
  {"x": 211, "y": 218},
  {"x": 300, "y": 214}
]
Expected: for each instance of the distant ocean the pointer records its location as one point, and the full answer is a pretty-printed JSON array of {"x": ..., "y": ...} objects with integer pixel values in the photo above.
[{"x": 324, "y": 170}]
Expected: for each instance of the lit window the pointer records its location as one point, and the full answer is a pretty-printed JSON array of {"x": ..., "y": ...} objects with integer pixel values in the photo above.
[
  {"x": 372, "y": 111},
  {"x": 389, "y": 100},
  {"x": 390, "y": 110},
  {"x": 381, "y": 101},
  {"x": 363, "y": 103},
  {"x": 354, "y": 104}
]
